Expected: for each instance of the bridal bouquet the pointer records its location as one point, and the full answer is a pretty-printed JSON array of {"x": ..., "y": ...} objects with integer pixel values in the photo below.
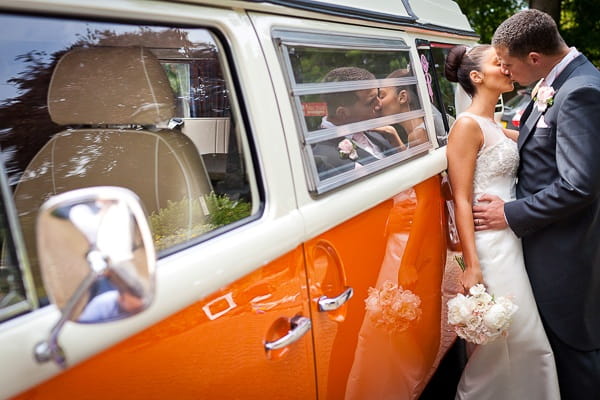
[
  {"x": 393, "y": 307},
  {"x": 479, "y": 317}
]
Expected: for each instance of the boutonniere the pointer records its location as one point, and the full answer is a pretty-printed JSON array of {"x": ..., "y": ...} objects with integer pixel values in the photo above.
[
  {"x": 347, "y": 149},
  {"x": 543, "y": 96}
]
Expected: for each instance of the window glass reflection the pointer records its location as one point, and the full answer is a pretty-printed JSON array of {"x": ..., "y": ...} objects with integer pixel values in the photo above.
[{"x": 88, "y": 103}]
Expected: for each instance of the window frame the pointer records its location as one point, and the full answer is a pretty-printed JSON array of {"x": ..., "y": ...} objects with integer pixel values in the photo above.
[
  {"x": 17, "y": 248},
  {"x": 283, "y": 39},
  {"x": 436, "y": 99}
]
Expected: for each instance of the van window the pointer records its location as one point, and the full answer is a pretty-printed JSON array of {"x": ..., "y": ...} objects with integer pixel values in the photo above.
[
  {"x": 357, "y": 104},
  {"x": 149, "y": 108}
]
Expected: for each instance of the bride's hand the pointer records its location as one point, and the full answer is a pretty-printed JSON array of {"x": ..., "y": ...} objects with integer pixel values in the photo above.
[
  {"x": 471, "y": 277},
  {"x": 391, "y": 135}
]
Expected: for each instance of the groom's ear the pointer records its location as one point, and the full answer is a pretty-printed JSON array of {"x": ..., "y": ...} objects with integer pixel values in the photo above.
[
  {"x": 342, "y": 114},
  {"x": 534, "y": 58}
]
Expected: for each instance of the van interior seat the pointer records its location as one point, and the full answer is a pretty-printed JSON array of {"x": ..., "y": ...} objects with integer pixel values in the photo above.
[{"x": 113, "y": 103}]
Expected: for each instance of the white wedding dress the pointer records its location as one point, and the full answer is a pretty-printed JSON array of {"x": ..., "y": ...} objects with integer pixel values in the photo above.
[{"x": 521, "y": 365}]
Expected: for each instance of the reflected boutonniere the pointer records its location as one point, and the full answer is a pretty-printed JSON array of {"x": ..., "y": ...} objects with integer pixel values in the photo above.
[
  {"x": 347, "y": 149},
  {"x": 543, "y": 96}
]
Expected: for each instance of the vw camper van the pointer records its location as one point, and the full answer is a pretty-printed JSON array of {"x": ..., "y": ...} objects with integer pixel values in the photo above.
[{"x": 225, "y": 199}]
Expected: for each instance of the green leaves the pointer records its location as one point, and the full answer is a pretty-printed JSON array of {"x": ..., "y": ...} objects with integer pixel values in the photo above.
[
  {"x": 183, "y": 220},
  {"x": 461, "y": 262}
]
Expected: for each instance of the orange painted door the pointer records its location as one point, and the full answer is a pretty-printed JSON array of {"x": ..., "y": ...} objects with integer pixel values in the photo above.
[
  {"x": 213, "y": 349},
  {"x": 371, "y": 355}
]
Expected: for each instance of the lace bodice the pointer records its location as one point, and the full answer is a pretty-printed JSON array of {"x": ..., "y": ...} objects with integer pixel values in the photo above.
[{"x": 497, "y": 161}]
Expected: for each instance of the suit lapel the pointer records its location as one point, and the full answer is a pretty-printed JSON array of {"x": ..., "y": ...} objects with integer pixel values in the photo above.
[
  {"x": 534, "y": 115},
  {"x": 362, "y": 153},
  {"x": 529, "y": 124}
]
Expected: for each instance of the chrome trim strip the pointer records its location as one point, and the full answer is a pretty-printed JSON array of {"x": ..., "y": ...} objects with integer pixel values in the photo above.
[
  {"x": 349, "y": 12},
  {"x": 301, "y": 89},
  {"x": 14, "y": 309},
  {"x": 342, "y": 11},
  {"x": 334, "y": 40},
  {"x": 17, "y": 238}
]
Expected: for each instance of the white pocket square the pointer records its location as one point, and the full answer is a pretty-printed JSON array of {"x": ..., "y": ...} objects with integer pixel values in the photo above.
[{"x": 541, "y": 123}]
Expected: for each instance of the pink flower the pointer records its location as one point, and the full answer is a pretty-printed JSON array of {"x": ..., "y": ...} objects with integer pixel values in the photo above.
[
  {"x": 347, "y": 149},
  {"x": 392, "y": 307},
  {"x": 544, "y": 97}
]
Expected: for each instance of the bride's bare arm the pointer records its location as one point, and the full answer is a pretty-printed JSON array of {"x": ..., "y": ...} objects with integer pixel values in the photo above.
[
  {"x": 511, "y": 133},
  {"x": 464, "y": 142}
]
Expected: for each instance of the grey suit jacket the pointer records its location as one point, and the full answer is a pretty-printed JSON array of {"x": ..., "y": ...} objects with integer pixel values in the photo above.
[
  {"x": 557, "y": 211},
  {"x": 329, "y": 162}
]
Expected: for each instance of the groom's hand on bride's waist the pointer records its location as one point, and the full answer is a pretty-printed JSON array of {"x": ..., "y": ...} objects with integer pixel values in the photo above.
[{"x": 488, "y": 213}]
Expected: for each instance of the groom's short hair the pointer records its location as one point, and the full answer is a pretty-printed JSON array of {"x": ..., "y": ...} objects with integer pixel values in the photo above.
[
  {"x": 344, "y": 74},
  {"x": 529, "y": 31}
]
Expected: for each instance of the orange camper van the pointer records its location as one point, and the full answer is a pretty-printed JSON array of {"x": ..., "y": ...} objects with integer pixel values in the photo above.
[{"x": 220, "y": 200}]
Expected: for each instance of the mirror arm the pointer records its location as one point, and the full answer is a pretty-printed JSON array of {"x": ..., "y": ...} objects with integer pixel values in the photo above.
[{"x": 49, "y": 349}]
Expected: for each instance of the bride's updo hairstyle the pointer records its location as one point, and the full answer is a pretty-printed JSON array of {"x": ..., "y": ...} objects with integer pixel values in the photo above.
[{"x": 461, "y": 61}]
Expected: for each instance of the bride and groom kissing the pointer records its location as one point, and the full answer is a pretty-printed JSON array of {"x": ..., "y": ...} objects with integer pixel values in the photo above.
[{"x": 528, "y": 210}]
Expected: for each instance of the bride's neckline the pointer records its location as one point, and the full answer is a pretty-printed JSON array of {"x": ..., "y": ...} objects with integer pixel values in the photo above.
[{"x": 478, "y": 116}]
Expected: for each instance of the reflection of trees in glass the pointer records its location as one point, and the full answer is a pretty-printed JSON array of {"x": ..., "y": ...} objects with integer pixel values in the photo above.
[
  {"x": 24, "y": 120},
  {"x": 439, "y": 57},
  {"x": 170, "y": 225},
  {"x": 25, "y": 125},
  {"x": 311, "y": 65}
]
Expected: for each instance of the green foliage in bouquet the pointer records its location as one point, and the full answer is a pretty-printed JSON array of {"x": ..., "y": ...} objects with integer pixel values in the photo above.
[{"x": 186, "y": 219}]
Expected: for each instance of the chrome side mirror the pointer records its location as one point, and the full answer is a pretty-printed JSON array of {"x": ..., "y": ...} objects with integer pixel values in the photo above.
[{"x": 97, "y": 259}]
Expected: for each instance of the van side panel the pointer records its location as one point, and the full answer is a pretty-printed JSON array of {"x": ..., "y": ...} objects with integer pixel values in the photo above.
[
  {"x": 205, "y": 351},
  {"x": 402, "y": 241}
]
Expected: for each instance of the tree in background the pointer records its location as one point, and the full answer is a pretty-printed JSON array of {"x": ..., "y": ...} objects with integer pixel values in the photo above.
[
  {"x": 580, "y": 26},
  {"x": 578, "y": 20},
  {"x": 485, "y": 16},
  {"x": 551, "y": 7}
]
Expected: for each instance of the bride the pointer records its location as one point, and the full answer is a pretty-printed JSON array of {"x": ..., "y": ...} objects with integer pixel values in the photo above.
[{"x": 483, "y": 158}]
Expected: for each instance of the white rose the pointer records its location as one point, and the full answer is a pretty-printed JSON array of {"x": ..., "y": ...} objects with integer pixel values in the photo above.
[
  {"x": 460, "y": 309},
  {"x": 508, "y": 305},
  {"x": 496, "y": 317},
  {"x": 454, "y": 317},
  {"x": 477, "y": 290}
]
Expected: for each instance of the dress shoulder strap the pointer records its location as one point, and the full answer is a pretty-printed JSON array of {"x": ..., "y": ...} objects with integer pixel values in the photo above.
[{"x": 489, "y": 128}]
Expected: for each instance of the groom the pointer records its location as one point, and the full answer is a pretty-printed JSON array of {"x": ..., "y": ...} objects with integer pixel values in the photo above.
[
  {"x": 341, "y": 154},
  {"x": 557, "y": 211}
]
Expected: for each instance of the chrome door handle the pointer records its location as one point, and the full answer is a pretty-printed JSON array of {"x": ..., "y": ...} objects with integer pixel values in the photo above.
[
  {"x": 298, "y": 327},
  {"x": 331, "y": 304}
]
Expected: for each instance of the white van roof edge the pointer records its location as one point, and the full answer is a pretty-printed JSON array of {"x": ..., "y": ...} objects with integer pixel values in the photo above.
[{"x": 334, "y": 8}]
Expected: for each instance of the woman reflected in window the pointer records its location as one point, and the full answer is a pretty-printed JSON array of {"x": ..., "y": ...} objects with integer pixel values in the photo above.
[{"x": 402, "y": 99}]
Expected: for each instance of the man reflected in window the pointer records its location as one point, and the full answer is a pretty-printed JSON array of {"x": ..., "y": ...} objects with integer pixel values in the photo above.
[{"x": 354, "y": 150}]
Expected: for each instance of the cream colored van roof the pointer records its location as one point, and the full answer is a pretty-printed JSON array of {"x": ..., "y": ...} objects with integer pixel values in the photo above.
[{"x": 433, "y": 14}]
